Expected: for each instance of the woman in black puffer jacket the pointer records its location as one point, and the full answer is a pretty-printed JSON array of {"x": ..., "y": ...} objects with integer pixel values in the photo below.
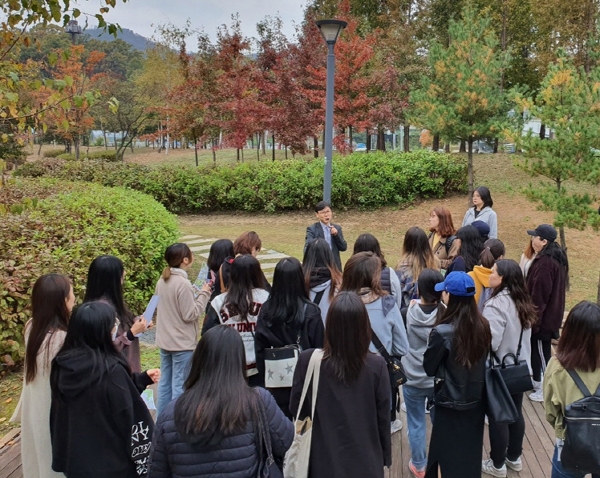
[{"x": 210, "y": 430}]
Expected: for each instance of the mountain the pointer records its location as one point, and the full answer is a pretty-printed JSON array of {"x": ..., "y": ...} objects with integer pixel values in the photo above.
[{"x": 136, "y": 41}]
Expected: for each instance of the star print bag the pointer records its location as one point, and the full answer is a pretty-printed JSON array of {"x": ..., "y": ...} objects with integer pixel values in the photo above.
[{"x": 280, "y": 364}]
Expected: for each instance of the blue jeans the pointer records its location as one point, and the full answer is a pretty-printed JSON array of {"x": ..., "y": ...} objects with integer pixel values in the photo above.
[
  {"x": 174, "y": 369},
  {"x": 559, "y": 472},
  {"x": 414, "y": 400}
]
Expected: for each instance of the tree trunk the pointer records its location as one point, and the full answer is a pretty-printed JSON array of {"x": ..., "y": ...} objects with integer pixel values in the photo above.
[
  {"x": 350, "y": 135},
  {"x": 406, "y": 138},
  {"x": 315, "y": 147},
  {"x": 463, "y": 146},
  {"x": 368, "y": 141},
  {"x": 76, "y": 145},
  {"x": 264, "y": 143},
  {"x": 447, "y": 147},
  {"x": 435, "y": 145},
  {"x": 273, "y": 152},
  {"x": 237, "y": 150},
  {"x": 542, "y": 131},
  {"x": 496, "y": 146},
  {"x": 258, "y": 147},
  {"x": 242, "y": 154},
  {"x": 214, "y": 153},
  {"x": 286, "y": 151},
  {"x": 380, "y": 139},
  {"x": 196, "y": 150},
  {"x": 470, "y": 171}
]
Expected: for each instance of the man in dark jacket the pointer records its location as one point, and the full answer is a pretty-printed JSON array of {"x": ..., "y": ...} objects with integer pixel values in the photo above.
[
  {"x": 325, "y": 229},
  {"x": 546, "y": 283}
]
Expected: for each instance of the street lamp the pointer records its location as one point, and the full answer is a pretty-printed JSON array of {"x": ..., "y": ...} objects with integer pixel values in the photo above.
[
  {"x": 330, "y": 30},
  {"x": 73, "y": 29}
]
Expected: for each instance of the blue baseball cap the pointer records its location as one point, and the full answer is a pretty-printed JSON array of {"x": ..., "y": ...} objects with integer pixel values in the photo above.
[{"x": 457, "y": 283}]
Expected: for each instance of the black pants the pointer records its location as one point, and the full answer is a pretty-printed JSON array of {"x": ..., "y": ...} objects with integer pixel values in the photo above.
[
  {"x": 541, "y": 352},
  {"x": 506, "y": 440}
]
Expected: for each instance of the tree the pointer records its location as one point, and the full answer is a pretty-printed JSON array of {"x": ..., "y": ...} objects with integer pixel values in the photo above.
[
  {"x": 463, "y": 98},
  {"x": 569, "y": 104}
]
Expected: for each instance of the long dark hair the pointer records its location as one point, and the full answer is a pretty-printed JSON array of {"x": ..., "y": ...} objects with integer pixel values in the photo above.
[
  {"x": 579, "y": 344},
  {"x": 472, "y": 334},
  {"x": 245, "y": 275},
  {"x": 174, "y": 256},
  {"x": 288, "y": 294},
  {"x": 48, "y": 314},
  {"x": 105, "y": 281},
  {"x": 369, "y": 243},
  {"x": 485, "y": 195},
  {"x": 427, "y": 280},
  {"x": 514, "y": 282},
  {"x": 318, "y": 260},
  {"x": 219, "y": 250},
  {"x": 347, "y": 336},
  {"x": 554, "y": 250},
  {"x": 471, "y": 245},
  {"x": 493, "y": 249},
  {"x": 216, "y": 399},
  {"x": 89, "y": 331},
  {"x": 416, "y": 252},
  {"x": 363, "y": 270}
]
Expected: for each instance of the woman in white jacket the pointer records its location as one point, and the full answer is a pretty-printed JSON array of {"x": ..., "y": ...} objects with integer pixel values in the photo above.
[
  {"x": 482, "y": 211},
  {"x": 511, "y": 314}
]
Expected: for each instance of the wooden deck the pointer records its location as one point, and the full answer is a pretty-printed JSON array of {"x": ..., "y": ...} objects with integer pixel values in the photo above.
[{"x": 538, "y": 447}]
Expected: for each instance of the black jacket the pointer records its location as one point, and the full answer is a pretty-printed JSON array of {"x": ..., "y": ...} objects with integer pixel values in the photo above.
[
  {"x": 312, "y": 336},
  {"x": 99, "y": 425},
  {"x": 338, "y": 243},
  {"x": 236, "y": 455},
  {"x": 455, "y": 386}
]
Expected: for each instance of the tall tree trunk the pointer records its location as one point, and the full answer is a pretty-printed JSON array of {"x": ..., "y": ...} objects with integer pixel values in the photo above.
[
  {"x": 470, "y": 171},
  {"x": 495, "y": 145},
  {"x": 315, "y": 147},
  {"x": 286, "y": 151},
  {"x": 214, "y": 153},
  {"x": 264, "y": 143},
  {"x": 380, "y": 139},
  {"x": 542, "y": 131},
  {"x": 196, "y": 149},
  {"x": 237, "y": 150},
  {"x": 406, "y": 138},
  {"x": 76, "y": 145},
  {"x": 242, "y": 154},
  {"x": 258, "y": 147},
  {"x": 351, "y": 140},
  {"x": 435, "y": 144},
  {"x": 368, "y": 141},
  {"x": 447, "y": 147},
  {"x": 273, "y": 153},
  {"x": 463, "y": 146}
]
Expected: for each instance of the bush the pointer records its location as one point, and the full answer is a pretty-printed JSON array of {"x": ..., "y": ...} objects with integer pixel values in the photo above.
[
  {"x": 58, "y": 226},
  {"x": 66, "y": 156},
  {"x": 106, "y": 154},
  {"x": 359, "y": 180},
  {"x": 53, "y": 153}
]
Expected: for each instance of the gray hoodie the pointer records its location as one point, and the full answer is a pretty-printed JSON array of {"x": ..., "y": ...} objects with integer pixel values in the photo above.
[
  {"x": 487, "y": 215},
  {"x": 419, "y": 325},
  {"x": 324, "y": 303},
  {"x": 386, "y": 323}
]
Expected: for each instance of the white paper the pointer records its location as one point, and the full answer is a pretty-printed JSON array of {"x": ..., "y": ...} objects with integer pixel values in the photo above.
[{"x": 151, "y": 308}]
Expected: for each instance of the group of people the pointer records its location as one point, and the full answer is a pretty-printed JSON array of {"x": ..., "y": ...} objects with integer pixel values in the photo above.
[{"x": 227, "y": 403}]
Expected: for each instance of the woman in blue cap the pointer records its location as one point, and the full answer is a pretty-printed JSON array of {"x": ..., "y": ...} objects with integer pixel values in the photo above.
[{"x": 455, "y": 356}]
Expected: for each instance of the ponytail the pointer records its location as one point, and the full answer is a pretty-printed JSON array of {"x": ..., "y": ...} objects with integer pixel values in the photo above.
[
  {"x": 494, "y": 249},
  {"x": 166, "y": 273}
]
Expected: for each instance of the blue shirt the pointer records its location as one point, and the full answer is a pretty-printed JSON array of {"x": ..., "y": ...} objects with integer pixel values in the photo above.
[{"x": 327, "y": 233}]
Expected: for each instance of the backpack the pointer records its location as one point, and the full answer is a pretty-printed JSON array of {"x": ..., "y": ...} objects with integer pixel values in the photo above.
[
  {"x": 448, "y": 243},
  {"x": 582, "y": 431}
]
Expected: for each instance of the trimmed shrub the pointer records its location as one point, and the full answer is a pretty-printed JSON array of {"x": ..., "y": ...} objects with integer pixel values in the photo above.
[
  {"x": 59, "y": 226},
  {"x": 359, "y": 180},
  {"x": 53, "y": 153}
]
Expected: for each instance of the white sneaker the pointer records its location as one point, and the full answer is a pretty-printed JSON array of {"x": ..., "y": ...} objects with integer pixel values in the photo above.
[
  {"x": 396, "y": 426},
  {"x": 487, "y": 466},
  {"x": 487, "y": 421},
  {"x": 403, "y": 407},
  {"x": 516, "y": 465},
  {"x": 537, "y": 396}
]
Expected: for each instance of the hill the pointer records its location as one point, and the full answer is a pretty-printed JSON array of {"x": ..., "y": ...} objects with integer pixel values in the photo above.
[{"x": 136, "y": 41}]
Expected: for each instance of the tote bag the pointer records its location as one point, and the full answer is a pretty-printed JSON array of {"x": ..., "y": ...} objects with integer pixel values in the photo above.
[{"x": 297, "y": 457}]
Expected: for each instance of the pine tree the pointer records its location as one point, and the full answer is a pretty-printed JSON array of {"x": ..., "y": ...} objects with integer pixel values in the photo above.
[
  {"x": 569, "y": 105},
  {"x": 463, "y": 98}
]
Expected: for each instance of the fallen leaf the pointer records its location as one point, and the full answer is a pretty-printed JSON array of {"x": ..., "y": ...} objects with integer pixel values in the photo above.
[
  {"x": 8, "y": 400},
  {"x": 3, "y": 419}
]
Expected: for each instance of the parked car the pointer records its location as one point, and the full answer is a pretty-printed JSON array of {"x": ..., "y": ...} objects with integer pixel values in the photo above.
[{"x": 360, "y": 147}]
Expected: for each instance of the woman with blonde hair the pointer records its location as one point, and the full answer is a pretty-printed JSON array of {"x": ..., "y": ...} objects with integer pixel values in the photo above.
[
  {"x": 442, "y": 236},
  {"x": 416, "y": 256}
]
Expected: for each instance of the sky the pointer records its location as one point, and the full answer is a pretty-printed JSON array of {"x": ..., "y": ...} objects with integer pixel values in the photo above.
[{"x": 142, "y": 16}]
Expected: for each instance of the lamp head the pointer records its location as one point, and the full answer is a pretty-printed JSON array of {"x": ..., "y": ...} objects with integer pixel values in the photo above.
[{"x": 331, "y": 29}]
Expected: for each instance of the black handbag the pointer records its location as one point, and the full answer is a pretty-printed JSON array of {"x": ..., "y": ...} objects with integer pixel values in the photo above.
[
  {"x": 516, "y": 375},
  {"x": 394, "y": 365},
  {"x": 500, "y": 407},
  {"x": 580, "y": 452}
]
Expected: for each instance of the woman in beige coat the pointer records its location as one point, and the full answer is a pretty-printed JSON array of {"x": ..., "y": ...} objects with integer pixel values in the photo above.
[{"x": 52, "y": 300}]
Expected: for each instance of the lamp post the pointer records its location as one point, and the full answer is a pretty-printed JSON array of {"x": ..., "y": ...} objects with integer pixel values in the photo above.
[
  {"x": 73, "y": 29},
  {"x": 330, "y": 30}
]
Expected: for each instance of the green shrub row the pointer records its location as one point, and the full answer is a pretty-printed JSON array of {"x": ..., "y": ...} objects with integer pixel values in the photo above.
[
  {"x": 58, "y": 226},
  {"x": 107, "y": 155},
  {"x": 359, "y": 180},
  {"x": 53, "y": 153}
]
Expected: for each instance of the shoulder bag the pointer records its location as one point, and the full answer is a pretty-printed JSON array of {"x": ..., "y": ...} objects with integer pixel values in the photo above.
[
  {"x": 267, "y": 468},
  {"x": 394, "y": 365},
  {"x": 280, "y": 362},
  {"x": 516, "y": 375},
  {"x": 500, "y": 407},
  {"x": 297, "y": 458},
  {"x": 582, "y": 431}
]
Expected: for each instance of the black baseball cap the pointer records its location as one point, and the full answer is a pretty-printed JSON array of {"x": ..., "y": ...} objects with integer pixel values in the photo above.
[{"x": 545, "y": 231}]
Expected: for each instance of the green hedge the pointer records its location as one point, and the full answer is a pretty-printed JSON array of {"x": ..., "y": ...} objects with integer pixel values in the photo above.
[
  {"x": 57, "y": 226},
  {"x": 107, "y": 155},
  {"x": 359, "y": 180}
]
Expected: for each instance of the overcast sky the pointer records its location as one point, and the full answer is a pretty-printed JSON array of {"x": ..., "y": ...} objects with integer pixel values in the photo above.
[{"x": 142, "y": 16}]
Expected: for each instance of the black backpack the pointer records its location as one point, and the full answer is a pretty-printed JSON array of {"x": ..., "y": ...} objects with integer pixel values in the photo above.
[
  {"x": 582, "y": 431},
  {"x": 448, "y": 243}
]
